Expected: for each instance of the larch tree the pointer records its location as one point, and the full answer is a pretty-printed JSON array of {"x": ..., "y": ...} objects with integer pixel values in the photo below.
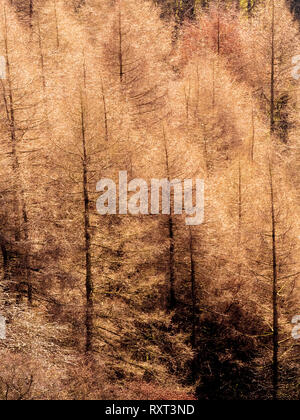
[
  {"x": 131, "y": 30},
  {"x": 272, "y": 264},
  {"x": 272, "y": 45},
  {"x": 22, "y": 123}
]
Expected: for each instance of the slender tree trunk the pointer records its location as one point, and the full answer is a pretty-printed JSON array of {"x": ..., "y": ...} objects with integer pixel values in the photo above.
[
  {"x": 205, "y": 152},
  {"x": 192, "y": 11},
  {"x": 19, "y": 203},
  {"x": 56, "y": 25},
  {"x": 177, "y": 20},
  {"x": 26, "y": 252},
  {"x": 187, "y": 102},
  {"x": 121, "y": 71},
  {"x": 42, "y": 61},
  {"x": 10, "y": 111},
  {"x": 171, "y": 304},
  {"x": 213, "y": 85},
  {"x": 31, "y": 10},
  {"x": 104, "y": 112},
  {"x": 197, "y": 93},
  {"x": 43, "y": 72},
  {"x": 249, "y": 7},
  {"x": 240, "y": 208},
  {"x": 218, "y": 30},
  {"x": 253, "y": 134},
  {"x": 240, "y": 200},
  {"x": 172, "y": 299},
  {"x": 272, "y": 81},
  {"x": 275, "y": 366},
  {"x": 193, "y": 289},
  {"x": 89, "y": 317}
]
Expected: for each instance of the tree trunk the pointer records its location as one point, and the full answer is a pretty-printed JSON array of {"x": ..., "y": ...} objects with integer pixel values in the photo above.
[
  {"x": 56, "y": 25},
  {"x": 275, "y": 367},
  {"x": 240, "y": 208},
  {"x": 272, "y": 81},
  {"x": 249, "y": 7},
  {"x": 218, "y": 31},
  {"x": 19, "y": 203},
  {"x": 30, "y": 12},
  {"x": 193, "y": 289},
  {"x": 253, "y": 134},
  {"x": 121, "y": 71},
  {"x": 171, "y": 298},
  {"x": 104, "y": 112},
  {"x": 89, "y": 317},
  {"x": 42, "y": 61}
]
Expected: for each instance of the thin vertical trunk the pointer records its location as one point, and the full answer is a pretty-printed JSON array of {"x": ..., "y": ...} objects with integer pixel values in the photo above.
[
  {"x": 218, "y": 39},
  {"x": 249, "y": 7},
  {"x": 275, "y": 366},
  {"x": 30, "y": 12},
  {"x": 187, "y": 102},
  {"x": 10, "y": 111},
  {"x": 84, "y": 70},
  {"x": 26, "y": 251},
  {"x": 205, "y": 153},
  {"x": 192, "y": 11},
  {"x": 218, "y": 53},
  {"x": 197, "y": 92},
  {"x": 89, "y": 316},
  {"x": 43, "y": 73},
  {"x": 193, "y": 289},
  {"x": 205, "y": 148},
  {"x": 121, "y": 71},
  {"x": 214, "y": 85},
  {"x": 272, "y": 81},
  {"x": 104, "y": 112},
  {"x": 130, "y": 166},
  {"x": 171, "y": 298},
  {"x": 218, "y": 30},
  {"x": 240, "y": 208},
  {"x": 177, "y": 20},
  {"x": 19, "y": 203},
  {"x": 253, "y": 134},
  {"x": 56, "y": 25},
  {"x": 240, "y": 200},
  {"x": 42, "y": 61}
]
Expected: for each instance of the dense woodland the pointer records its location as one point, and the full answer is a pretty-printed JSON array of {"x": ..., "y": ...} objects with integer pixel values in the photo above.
[{"x": 145, "y": 307}]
